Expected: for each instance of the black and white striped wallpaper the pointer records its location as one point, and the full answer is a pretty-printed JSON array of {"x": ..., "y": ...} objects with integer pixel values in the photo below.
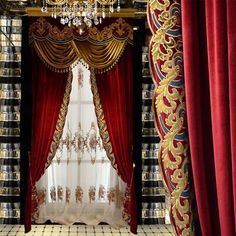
[
  {"x": 154, "y": 210},
  {"x": 10, "y": 103}
]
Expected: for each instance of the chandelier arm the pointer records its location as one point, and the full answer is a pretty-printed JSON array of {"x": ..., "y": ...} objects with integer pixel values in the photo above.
[{"x": 80, "y": 11}]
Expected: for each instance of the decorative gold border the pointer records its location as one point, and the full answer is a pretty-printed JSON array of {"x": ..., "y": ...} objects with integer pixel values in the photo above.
[
  {"x": 166, "y": 55},
  {"x": 107, "y": 44},
  {"x": 101, "y": 120},
  {"x": 117, "y": 30},
  {"x": 60, "y": 122}
]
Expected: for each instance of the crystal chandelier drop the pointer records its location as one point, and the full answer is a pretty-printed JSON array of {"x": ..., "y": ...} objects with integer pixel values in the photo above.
[{"x": 77, "y": 12}]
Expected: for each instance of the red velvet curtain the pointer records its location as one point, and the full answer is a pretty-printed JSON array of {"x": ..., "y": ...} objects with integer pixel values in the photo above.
[
  {"x": 209, "y": 45},
  {"x": 115, "y": 90},
  {"x": 47, "y": 92}
]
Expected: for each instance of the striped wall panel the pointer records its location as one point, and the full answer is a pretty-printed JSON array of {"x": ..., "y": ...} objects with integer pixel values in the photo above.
[
  {"x": 154, "y": 199},
  {"x": 10, "y": 103}
]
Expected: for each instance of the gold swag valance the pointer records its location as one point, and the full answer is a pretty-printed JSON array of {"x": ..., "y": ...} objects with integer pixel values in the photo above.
[{"x": 99, "y": 48}]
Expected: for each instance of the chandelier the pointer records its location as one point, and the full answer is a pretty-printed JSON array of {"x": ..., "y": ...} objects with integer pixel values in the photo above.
[{"x": 77, "y": 12}]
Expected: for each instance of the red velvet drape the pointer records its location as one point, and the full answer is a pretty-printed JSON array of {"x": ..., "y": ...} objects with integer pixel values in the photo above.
[
  {"x": 115, "y": 90},
  {"x": 209, "y": 45},
  {"x": 47, "y": 92}
]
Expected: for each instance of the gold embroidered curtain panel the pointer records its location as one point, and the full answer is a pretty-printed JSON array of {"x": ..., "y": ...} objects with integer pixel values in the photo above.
[
  {"x": 59, "y": 48},
  {"x": 99, "y": 49}
]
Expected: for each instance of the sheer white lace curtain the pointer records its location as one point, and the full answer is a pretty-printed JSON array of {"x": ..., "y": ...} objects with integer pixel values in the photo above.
[{"x": 81, "y": 185}]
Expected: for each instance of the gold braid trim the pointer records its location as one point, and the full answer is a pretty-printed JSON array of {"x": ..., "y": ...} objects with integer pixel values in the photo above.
[
  {"x": 119, "y": 30},
  {"x": 101, "y": 121},
  {"x": 60, "y": 122}
]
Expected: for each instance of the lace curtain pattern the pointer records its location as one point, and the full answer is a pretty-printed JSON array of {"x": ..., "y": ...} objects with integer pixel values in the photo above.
[{"x": 81, "y": 185}]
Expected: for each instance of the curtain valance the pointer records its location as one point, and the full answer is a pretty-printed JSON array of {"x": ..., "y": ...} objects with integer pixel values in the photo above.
[{"x": 99, "y": 48}]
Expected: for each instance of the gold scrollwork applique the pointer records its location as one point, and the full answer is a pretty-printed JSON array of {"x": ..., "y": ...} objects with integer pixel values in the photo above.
[
  {"x": 119, "y": 30},
  {"x": 169, "y": 108}
]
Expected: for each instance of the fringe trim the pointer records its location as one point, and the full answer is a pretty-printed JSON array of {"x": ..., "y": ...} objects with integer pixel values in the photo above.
[
  {"x": 78, "y": 60},
  {"x": 48, "y": 65},
  {"x": 102, "y": 71}
]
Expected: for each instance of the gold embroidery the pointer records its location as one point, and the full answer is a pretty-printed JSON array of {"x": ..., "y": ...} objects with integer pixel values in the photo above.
[
  {"x": 68, "y": 193},
  {"x": 101, "y": 121},
  {"x": 101, "y": 192},
  {"x": 53, "y": 194},
  {"x": 59, "y": 49},
  {"x": 170, "y": 112},
  {"x": 78, "y": 194},
  {"x": 109, "y": 195},
  {"x": 80, "y": 77},
  {"x": 60, "y": 193},
  {"x": 92, "y": 193},
  {"x": 118, "y": 31},
  {"x": 41, "y": 195},
  {"x": 60, "y": 122},
  {"x": 80, "y": 143}
]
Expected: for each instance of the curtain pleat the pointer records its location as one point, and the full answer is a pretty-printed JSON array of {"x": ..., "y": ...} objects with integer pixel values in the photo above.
[
  {"x": 58, "y": 57},
  {"x": 115, "y": 92},
  {"x": 209, "y": 39},
  {"x": 231, "y": 8},
  {"x": 99, "y": 49},
  {"x": 102, "y": 57},
  {"x": 80, "y": 185},
  {"x": 47, "y": 92}
]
